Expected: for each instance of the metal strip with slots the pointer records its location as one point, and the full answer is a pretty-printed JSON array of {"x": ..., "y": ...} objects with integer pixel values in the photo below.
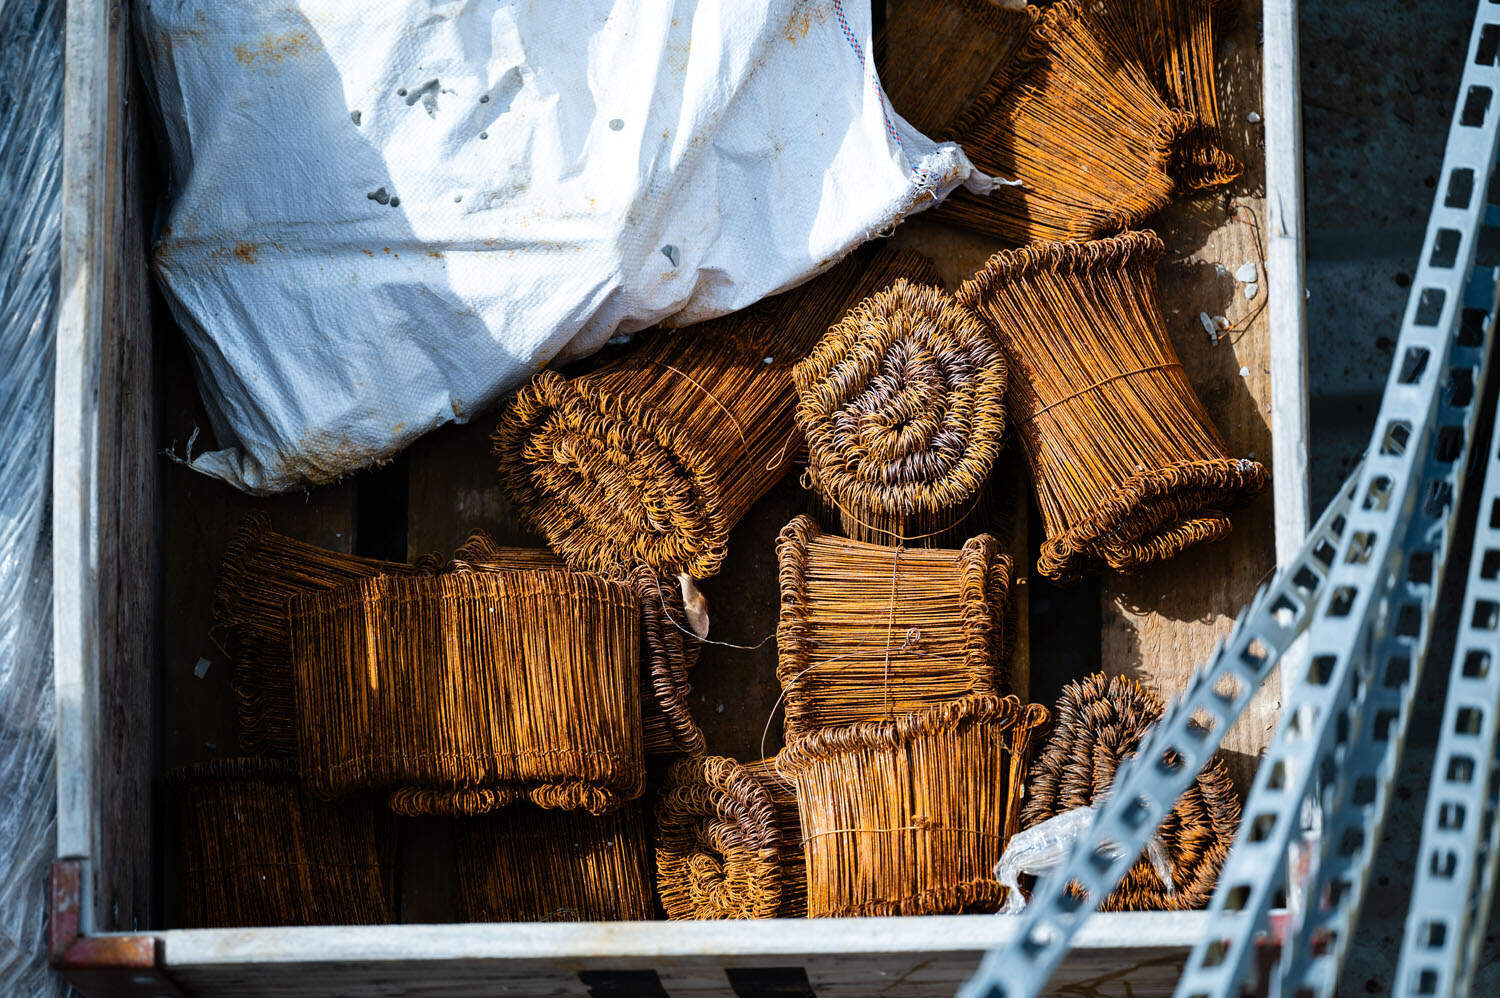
[
  {"x": 1351, "y": 595},
  {"x": 1355, "y": 805},
  {"x": 1454, "y": 881},
  {"x": 1144, "y": 791},
  {"x": 1368, "y": 646}
]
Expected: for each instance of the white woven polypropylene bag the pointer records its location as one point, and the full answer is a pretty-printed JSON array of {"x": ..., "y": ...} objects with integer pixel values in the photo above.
[{"x": 383, "y": 216}]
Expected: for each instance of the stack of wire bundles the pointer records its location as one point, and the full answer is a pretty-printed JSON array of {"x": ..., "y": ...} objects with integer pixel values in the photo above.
[
  {"x": 668, "y": 648},
  {"x": 872, "y": 632},
  {"x": 530, "y": 864},
  {"x": 261, "y": 571},
  {"x": 1097, "y": 723},
  {"x": 653, "y": 458},
  {"x": 1127, "y": 465},
  {"x": 728, "y": 842},
  {"x": 908, "y": 816},
  {"x": 1080, "y": 123},
  {"x": 903, "y": 407},
  {"x": 255, "y": 852},
  {"x": 469, "y": 691}
]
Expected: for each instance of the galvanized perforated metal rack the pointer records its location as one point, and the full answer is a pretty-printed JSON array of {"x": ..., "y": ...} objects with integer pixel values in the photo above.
[{"x": 1364, "y": 592}]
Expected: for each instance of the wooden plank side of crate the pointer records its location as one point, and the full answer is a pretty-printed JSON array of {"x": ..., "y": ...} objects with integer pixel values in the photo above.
[
  {"x": 106, "y": 557},
  {"x": 201, "y": 517},
  {"x": 1118, "y": 954},
  {"x": 1161, "y": 622}
]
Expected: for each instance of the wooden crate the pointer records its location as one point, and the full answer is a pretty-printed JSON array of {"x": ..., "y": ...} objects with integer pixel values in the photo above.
[{"x": 137, "y": 539}]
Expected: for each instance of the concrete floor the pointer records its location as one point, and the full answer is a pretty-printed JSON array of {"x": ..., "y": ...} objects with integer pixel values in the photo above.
[{"x": 1379, "y": 82}]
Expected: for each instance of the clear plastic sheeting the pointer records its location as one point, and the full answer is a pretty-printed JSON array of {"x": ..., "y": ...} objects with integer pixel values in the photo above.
[
  {"x": 30, "y": 176},
  {"x": 1046, "y": 844}
]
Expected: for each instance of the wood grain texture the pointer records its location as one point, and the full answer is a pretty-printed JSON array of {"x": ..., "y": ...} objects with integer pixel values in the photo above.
[
  {"x": 454, "y": 487},
  {"x": 128, "y": 531},
  {"x": 1160, "y": 623},
  {"x": 1118, "y": 955}
]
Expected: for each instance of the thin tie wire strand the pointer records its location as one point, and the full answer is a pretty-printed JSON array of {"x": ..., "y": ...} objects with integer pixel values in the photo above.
[
  {"x": 1130, "y": 470},
  {"x": 637, "y": 463},
  {"x": 1099, "y": 721},
  {"x": 844, "y": 601}
]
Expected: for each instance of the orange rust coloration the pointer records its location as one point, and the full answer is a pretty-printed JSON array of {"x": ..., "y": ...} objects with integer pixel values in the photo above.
[{"x": 274, "y": 49}]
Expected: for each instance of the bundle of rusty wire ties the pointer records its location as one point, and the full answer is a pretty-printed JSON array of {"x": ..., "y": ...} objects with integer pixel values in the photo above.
[
  {"x": 1126, "y": 463},
  {"x": 1099, "y": 721}
]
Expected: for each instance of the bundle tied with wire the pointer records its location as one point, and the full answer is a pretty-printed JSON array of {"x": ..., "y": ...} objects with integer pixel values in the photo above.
[
  {"x": 1099, "y": 721},
  {"x": 1173, "y": 40},
  {"x": 530, "y": 864},
  {"x": 654, "y": 457},
  {"x": 907, "y": 816},
  {"x": 869, "y": 632},
  {"x": 668, "y": 648},
  {"x": 260, "y": 573},
  {"x": 1081, "y": 125},
  {"x": 256, "y": 852},
  {"x": 1127, "y": 466},
  {"x": 902, "y": 405},
  {"x": 468, "y": 691},
  {"x": 728, "y": 842},
  {"x": 936, "y": 55}
]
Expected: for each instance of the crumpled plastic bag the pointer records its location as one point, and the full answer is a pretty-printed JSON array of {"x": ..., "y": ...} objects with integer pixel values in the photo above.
[
  {"x": 383, "y": 218},
  {"x": 1046, "y": 845},
  {"x": 31, "y": 142}
]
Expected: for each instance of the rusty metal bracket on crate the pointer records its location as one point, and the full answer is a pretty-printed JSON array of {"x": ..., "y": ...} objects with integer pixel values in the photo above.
[
  {"x": 1364, "y": 589},
  {"x": 101, "y": 966}
]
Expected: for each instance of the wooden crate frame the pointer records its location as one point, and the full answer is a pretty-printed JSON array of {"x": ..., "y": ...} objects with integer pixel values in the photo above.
[{"x": 108, "y": 556}]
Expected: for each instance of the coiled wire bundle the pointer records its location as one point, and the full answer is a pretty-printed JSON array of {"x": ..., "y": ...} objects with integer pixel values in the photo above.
[
  {"x": 530, "y": 864},
  {"x": 907, "y": 817},
  {"x": 260, "y": 573},
  {"x": 1098, "y": 722},
  {"x": 468, "y": 691},
  {"x": 668, "y": 648},
  {"x": 902, "y": 405},
  {"x": 1127, "y": 466},
  {"x": 1078, "y": 120},
  {"x": 255, "y": 852},
  {"x": 654, "y": 457},
  {"x": 869, "y": 632},
  {"x": 728, "y": 842}
]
